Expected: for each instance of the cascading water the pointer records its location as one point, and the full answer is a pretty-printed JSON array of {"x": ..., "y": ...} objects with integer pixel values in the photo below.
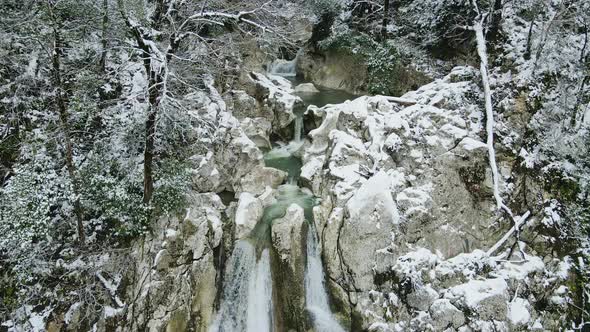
[
  {"x": 281, "y": 67},
  {"x": 247, "y": 297},
  {"x": 298, "y": 130},
  {"x": 246, "y": 303},
  {"x": 316, "y": 297}
]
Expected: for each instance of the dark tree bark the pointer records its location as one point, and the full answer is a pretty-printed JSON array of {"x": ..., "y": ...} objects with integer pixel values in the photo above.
[
  {"x": 579, "y": 101},
  {"x": 494, "y": 31},
  {"x": 61, "y": 106},
  {"x": 154, "y": 91},
  {"x": 104, "y": 42},
  {"x": 385, "y": 20},
  {"x": 529, "y": 40}
]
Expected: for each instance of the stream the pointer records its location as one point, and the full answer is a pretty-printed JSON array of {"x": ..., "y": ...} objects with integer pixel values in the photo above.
[{"x": 247, "y": 297}]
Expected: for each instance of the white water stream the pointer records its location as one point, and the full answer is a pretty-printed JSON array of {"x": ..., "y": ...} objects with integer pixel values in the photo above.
[
  {"x": 247, "y": 296},
  {"x": 316, "y": 297}
]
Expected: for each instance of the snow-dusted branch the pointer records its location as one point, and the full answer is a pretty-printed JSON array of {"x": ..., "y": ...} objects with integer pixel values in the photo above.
[
  {"x": 401, "y": 101},
  {"x": 478, "y": 28},
  {"x": 517, "y": 223}
]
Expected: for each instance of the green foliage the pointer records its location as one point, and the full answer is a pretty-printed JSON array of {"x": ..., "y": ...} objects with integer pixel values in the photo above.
[
  {"x": 382, "y": 60},
  {"x": 561, "y": 186},
  {"x": 31, "y": 202},
  {"x": 326, "y": 7},
  {"x": 172, "y": 183},
  {"x": 112, "y": 194}
]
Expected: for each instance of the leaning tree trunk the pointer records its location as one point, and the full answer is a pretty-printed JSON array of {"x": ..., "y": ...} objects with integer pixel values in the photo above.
[{"x": 60, "y": 100}]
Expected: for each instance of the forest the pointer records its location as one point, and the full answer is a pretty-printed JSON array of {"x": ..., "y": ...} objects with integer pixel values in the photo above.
[{"x": 294, "y": 165}]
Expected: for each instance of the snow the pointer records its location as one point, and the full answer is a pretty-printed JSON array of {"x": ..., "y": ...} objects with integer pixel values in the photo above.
[
  {"x": 475, "y": 291},
  {"x": 412, "y": 264},
  {"x": 471, "y": 144},
  {"x": 465, "y": 264},
  {"x": 248, "y": 212},
  {"x": 171, "y": 235},
  {"x": 110, "y": 312},
  {"x": 71, "y": 311},
  {"x": 374, "y": 193},
  {"x": 518, "y": 312}
]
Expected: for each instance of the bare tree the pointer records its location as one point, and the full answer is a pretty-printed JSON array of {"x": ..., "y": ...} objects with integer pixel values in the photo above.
[{"x": 157, "y": 58}]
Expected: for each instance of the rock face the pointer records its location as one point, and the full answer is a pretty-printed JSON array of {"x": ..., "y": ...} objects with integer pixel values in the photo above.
[
  {"x": 175, "y": 277},
  {"x": 287, "y": 236},
  {"x": 275, "y": 95},
  {"x": 404, "y": 198},
  {"x": 334, "y": 71},
  {"x": 288, "y": 272},
  {"x": 406, "y": 194}
]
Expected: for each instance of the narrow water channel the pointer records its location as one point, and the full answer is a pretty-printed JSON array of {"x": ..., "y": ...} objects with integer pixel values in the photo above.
[{"x": 246, "y": 303}]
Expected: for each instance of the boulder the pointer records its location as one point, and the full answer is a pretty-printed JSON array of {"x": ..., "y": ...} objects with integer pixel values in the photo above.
[
  {"x": 248, "y": 213},
  {"x": 259, "y": 178},
  {"x": 288, "y": 269},
  {"x": 306, "y": 88},
  {"x": 286, "y": 235},
  {"x": 422, "y": 297},
  {"x": 444, "y": 314},
  {"x": 487, "y": 299}
]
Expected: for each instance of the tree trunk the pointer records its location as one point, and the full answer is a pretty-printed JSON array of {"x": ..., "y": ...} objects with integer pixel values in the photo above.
[
  {"x": 105, "y": 22},
  {"x": 494, "y": 30},
  {"x": 148, "y": 153},
  {"x": 63, "y": 119},
  {"x": 385, "y": 20},
  {"x": 579, "y": 101},
  {"x": 529, "y": 40}
]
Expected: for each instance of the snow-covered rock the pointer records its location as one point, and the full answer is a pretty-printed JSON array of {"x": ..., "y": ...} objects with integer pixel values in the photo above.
[
  {"x": 445, "y": 314},
  {"x": 248, "y": 213},
  {"x": 488, "y": 299},
  {"x": 422, "y": 297}
]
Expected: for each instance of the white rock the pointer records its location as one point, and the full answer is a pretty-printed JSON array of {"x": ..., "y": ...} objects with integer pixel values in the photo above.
[
  {"x": 248, "y": 212},
  {"x": 286, "y": 233},
  {"x": 306, "y": 88},
  {"x": 162, "y": 260}
]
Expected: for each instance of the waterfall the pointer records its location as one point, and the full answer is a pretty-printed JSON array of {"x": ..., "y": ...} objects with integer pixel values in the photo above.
[
  {"x": 283, "y": 67},
  {"x": 316, "y": 297},
  {"x": 247, "y": 297},
  {"x": 298, "y": 130}
]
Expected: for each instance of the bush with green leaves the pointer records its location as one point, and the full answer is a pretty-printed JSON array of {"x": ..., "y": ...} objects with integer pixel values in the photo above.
[
  {"x": 382, "y": 60},
  {"x": 329, "y": 7},
  {"x": 112, "y": 194},
  {"x": 32, "y": 202}
]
